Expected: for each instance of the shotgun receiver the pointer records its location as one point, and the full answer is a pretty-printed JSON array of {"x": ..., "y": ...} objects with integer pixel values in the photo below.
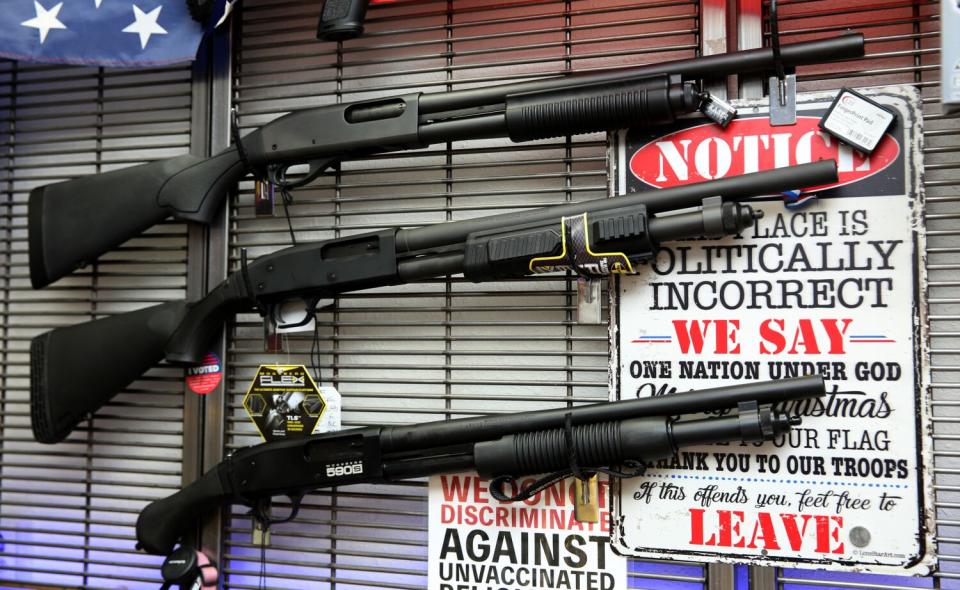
[
  {"x": 505, "y": 447},
  {"x": 75, "y": 370},
  {"x": 72, "y": 223}
]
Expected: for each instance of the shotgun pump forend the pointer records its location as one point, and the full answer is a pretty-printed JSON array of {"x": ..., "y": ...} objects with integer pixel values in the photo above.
[
  {"x": 72, "y": 223},
  {"x": 505, "y": 447},
  {"x": 75, "y": 370}
]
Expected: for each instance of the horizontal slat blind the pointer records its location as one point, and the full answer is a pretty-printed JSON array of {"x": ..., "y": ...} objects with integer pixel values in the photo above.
[
  {"x": 441, "y": 348},
  {"x": 67, "y": 510}
]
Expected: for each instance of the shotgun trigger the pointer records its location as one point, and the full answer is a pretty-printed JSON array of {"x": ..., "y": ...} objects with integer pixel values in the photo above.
[
  {"x": 296, "y": 498},
  {"x": 277, "y": 173},
  {"x": 279, "y": 313},
  {"x": 318, "y": 167},
  {"x": 261, "y": 510}
]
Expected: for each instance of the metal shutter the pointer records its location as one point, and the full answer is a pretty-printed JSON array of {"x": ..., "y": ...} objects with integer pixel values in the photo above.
[
  {"x": 67, "y": 510},
  {"x": 436, "y": 349}
]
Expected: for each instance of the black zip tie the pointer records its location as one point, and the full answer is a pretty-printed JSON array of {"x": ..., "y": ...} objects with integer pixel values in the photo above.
[
  {"x": 572, "y": 449},
  {"x": 264, "y": 527},
  {"x": 257, "y": 512},
  {"x": 287, "y": 199},
  {"x": 496, "y": 486},
  {"x": 634, "y": 469},
  {"x": 315, "y": 350},
  {"x": 777, "y": 60},
  {"x": 241, "y": 151},
  {"x": 775, "y": 39}
]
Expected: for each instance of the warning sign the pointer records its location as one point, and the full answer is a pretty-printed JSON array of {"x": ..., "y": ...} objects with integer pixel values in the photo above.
[
  {"x": 830, "y": 288},
  {"x": 477, "y": 542}
]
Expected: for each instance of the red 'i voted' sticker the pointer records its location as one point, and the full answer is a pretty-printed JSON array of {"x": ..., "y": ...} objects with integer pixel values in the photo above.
[{"x": 206, "y": 376}]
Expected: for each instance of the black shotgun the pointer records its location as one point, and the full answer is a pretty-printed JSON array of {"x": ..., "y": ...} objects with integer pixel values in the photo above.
[
  {"x": 75, "y": 370},
  {"x": 72, "y": 223},
  {"x": 504, "y": 447}
]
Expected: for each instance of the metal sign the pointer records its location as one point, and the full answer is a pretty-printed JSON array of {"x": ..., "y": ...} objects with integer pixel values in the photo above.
[{"x": 832, "y": 288}]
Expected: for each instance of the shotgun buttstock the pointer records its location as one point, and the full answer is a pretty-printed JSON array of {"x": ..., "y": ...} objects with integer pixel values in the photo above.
[
  {"x": 77, "y": 369},
  {"x": 70, "y": 224}
]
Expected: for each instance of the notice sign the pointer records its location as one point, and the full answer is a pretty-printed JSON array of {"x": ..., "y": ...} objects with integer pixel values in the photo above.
[
  {"x": 832, "y": 288},
  {"x": 479, "y": 543}
]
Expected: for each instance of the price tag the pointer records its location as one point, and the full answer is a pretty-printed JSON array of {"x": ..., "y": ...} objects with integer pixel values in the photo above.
[
  {"x": 857, "y": 120},
  {"x": 719, "y": 111},
  {"x": 284, "y": 402},
  {"x": 263, "y": 198}
]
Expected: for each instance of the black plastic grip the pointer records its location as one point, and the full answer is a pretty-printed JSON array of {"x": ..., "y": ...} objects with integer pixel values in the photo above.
[
  {"x": 77, "y": 369},
  {"x": 202, "y": 320},
  {"x": 502, "y": 253},
  {"x": 342, "y": 19},
  {"x": 162, "y": 522},
  {"x": 72, "y": 223},
  {"x": 651, "y": 101},
  {"x": 597, "y": 445},
  {"x": 512, "y": 251}
]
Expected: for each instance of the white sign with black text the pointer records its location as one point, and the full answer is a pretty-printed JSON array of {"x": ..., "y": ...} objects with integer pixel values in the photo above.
[
  {"x": 834, "y": 288},
  {"x": 477, "y": 542}
]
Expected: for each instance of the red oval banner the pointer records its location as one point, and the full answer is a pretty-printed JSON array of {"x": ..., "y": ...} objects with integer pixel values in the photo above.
[{"x": 706, "y": 152}]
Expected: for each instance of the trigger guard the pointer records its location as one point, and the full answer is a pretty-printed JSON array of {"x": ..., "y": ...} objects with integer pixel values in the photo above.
[
  {"x": 277, "y": 173},
  {"x": 259, "y": 510},
  {"x": 318, "y": 167},
  {"x": 310, "y": 310},
  {"x": 315, "y": 170},
  {"x": 295, "y": 500}
]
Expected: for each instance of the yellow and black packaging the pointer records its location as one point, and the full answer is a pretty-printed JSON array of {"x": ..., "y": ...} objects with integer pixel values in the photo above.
[{"x": 284, "y": 402}]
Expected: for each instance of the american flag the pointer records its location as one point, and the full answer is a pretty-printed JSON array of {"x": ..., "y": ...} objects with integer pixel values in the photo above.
[{"x": 125, "y": 33}]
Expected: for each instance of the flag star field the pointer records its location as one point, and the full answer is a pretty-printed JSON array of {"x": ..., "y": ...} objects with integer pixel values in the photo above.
[{"x": 102, "y": 32}]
